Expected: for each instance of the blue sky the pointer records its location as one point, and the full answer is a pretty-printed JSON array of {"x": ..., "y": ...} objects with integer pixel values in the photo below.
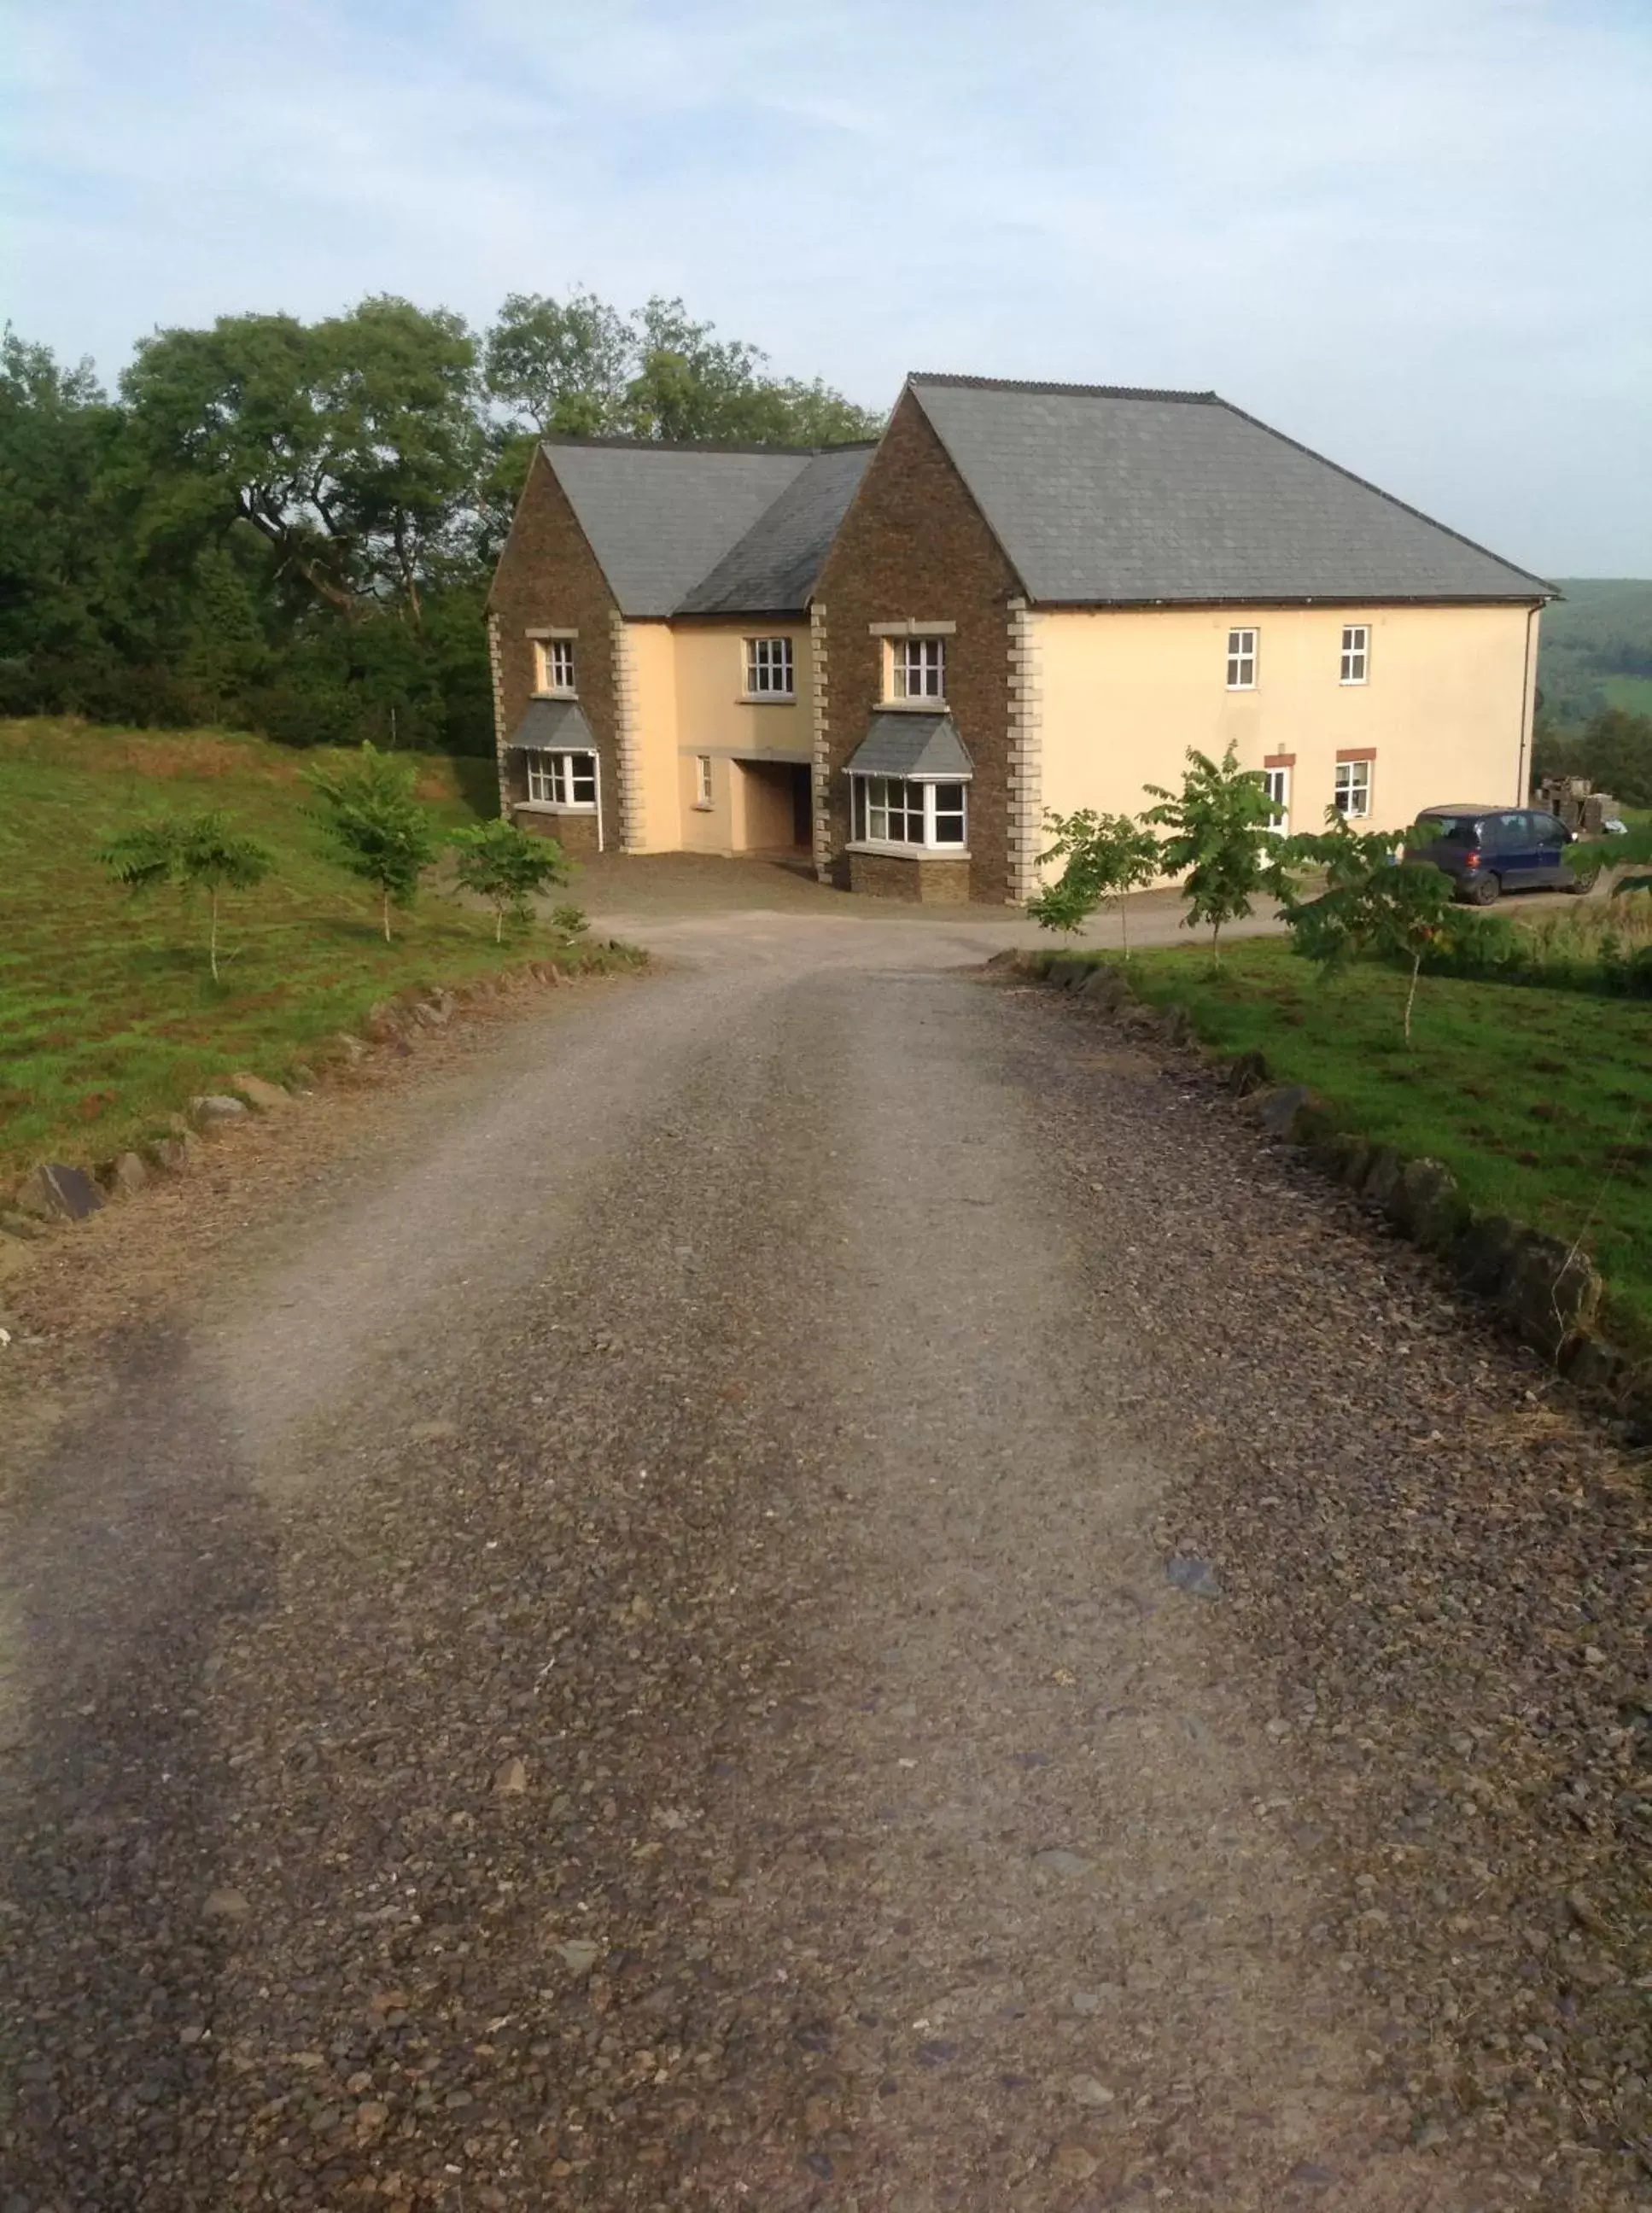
[{"x": 1413, "y": 234}]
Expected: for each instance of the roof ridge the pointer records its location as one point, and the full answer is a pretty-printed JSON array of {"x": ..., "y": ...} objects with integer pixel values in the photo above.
[
  {"x": 701, "y": 445},
  {"x": 1392, "y": 499},
  {"x": 1080, "y": 391}
]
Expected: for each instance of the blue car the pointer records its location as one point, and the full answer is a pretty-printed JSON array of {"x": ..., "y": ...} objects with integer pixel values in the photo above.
[{"x": 1489, "y": 850}]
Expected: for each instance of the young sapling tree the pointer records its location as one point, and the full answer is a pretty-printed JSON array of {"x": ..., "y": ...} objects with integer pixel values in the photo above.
[
  {"x": 1220, "y": 842},
  {"x": 1106, "y": 857},
  {"x": 377, "y": 827},
  {"x": 1370, "y": 902},
  {"x": 196, "y": 853},
  {"x": 509, "y": 865}
]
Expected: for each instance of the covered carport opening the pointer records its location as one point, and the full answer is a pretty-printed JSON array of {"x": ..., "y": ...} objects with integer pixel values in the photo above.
[{"x": 777, "y": 810}]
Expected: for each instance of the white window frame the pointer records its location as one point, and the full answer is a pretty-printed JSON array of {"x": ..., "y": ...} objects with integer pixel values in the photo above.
[
  {"x": 873, "y": 798},
  {"x": 1353, "y": 789},
  {"x": 917, "y": 671},
  {"x": 553, "y": 780},
  {"x": 1276, "y": 782},
  {"x": 703, "y": 782},
  {"x": 771, "y": 669},
  {"x": 1356, "y": 653},
  {"x": 554, "y": 668},
  {"x": 1242, "y": 658}
]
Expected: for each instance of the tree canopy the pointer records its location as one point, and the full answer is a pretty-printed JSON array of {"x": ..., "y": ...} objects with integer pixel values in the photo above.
[{"x": 291, "y": 525}]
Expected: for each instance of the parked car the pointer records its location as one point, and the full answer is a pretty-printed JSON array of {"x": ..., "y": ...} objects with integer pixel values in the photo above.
[{"x": 1491, "y": 849}]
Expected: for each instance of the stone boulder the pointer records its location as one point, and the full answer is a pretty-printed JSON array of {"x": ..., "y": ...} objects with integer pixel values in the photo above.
[
  {"x": 384, "y": 1024},
  {"x": 1246, "y": 1072},
  {"x": 215, "y": 1110},
  {"x": 1381, "y": 1179},
  {"x": 265, "y": 1097},
  {"x": 1104, "y": 987},
  {"x": 1068, "y": 969},
  {"x": 1286, "y": 1113},
  {"x": 1485, "y": 1253},
  {"x": 125, "y": 1177},
  {"x": 176, "y": 1154},
  {"x": 349, "y": 1049},
  {"x": 1343, "y": 1155},
  {"x": 1594, "y": 1365},
  {"x": 1550, "y": 1292},
  {"x": 54, "y": 1192},
  {"x": 1427, "y": 1205}
]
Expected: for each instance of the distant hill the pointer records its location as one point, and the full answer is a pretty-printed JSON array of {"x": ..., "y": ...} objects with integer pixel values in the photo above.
[{"x": 1597, "y": 648}]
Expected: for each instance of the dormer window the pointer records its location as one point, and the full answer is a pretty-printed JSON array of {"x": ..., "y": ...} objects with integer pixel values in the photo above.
[{"x": 553, "y": 667}]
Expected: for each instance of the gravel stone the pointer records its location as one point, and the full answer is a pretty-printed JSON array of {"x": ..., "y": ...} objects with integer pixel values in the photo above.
[{"x": 862, "y": 1473}]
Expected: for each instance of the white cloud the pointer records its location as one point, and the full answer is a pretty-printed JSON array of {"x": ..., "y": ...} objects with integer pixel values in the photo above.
[{"x": 1409, "y": 235}]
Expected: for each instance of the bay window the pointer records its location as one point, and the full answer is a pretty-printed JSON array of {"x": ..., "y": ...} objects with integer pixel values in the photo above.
[
  {"x": 562, "y": 779},
  {"x": 917, "y": 815}
]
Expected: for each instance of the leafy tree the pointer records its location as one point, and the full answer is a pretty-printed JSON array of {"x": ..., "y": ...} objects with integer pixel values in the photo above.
[
  {"x": 1219, "y": 838},
  {"x": 568, "y": 921},
  {"x": 1370, "y": 902},
  {"x": 507, "y": 864},
  {"x": 378, "y": 829},
  {"x": 351, "y": 445},
  {"x": 1107, "y": 855},
  {"x": 199, "y": 853},
  {"x": 562, "y": 365}
]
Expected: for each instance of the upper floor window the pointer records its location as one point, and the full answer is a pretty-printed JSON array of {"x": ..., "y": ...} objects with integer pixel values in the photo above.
[
  {"x": 553, "y": 664},
  {"x": 1241, "y": 660},
  {"x": 1353, "y": 791},
  {"x": 1355, "y": 652},
  {"x": 769, "y": 668},
  {"x": 918, "y": 668},
  {"x": 702, "y": 780},
  {"x": 562, "y": 779}
]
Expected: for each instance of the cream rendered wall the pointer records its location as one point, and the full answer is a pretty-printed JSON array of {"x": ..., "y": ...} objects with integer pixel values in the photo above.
[
  {"x": 1447, "y": 705},
  {"x": 712, "y": 715},
  {"x": 654, "y": 680}
]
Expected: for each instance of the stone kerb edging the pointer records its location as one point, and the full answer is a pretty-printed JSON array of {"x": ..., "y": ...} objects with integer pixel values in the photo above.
[
  {"x": 55, "y": 1193},
  {"x": 1545, "y": 1291}
]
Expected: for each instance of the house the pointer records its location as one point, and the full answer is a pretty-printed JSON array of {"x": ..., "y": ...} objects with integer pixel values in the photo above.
[{"x": 1024, "y": 597}]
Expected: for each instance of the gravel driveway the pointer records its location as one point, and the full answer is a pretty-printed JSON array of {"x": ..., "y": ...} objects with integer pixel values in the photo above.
[{"x": 626, "y": 1658}]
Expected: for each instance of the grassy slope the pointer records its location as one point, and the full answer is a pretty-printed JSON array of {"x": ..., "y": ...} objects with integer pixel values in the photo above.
[
  {"x": 108, "y": 1017},
  {"x": 1577, "y": 638},
  {"x": 1539, "y": 1101}
]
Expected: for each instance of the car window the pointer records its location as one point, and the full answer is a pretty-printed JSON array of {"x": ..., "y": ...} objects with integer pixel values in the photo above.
[
  {"x": 1513, "y": 829},
  {"x": 1450, "y": 829},
  {"x": 1551, "y": 830}
]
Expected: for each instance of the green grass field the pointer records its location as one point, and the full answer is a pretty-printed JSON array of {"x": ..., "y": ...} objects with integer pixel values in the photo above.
[
  {"x": 1539, "y": 1101},
  {"x": 1632, "y": 693},
  {"x": 108, "y": 1017}
]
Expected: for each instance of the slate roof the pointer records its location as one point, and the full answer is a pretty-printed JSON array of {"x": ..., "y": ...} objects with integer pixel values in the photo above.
[
  {"x": 1105, "y": 496},
  {"x": 772, "y": 569},
  {"x": 746, "y": 528},
  {"x": 904, "y": 744},
  {"x": 549, "y": 725}
]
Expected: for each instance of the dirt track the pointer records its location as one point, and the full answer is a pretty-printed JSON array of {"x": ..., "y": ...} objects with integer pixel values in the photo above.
[{"x": 624, "y": 1657}]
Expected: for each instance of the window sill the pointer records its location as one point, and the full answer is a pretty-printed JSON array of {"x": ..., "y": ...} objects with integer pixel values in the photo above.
[
  {"x": 908, "y": 852},
  {"x": 553, "y": 695},
  {"x": 766, "y": 698},
  {"x": 1244, "y": 687},
  {"x": 705, "y": 806},
  {"x": 913, "y": 707},
  {"x": 554, "y": 806}
]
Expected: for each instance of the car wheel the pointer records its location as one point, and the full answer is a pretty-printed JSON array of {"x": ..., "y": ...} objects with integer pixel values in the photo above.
[
  {"x": 1483, "y": 891},
  {"x": 1583, "y": 880}
]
